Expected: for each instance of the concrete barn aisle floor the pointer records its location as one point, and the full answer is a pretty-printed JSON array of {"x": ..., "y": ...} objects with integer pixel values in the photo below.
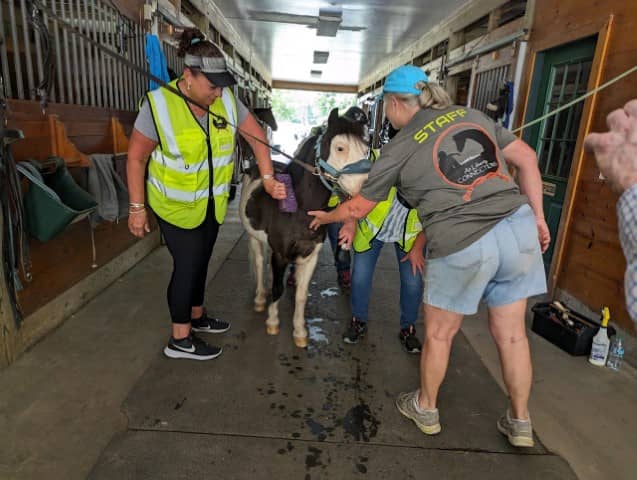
[
  {"x": 266, "y": 409},
  {"x": 96, "y": 398}
]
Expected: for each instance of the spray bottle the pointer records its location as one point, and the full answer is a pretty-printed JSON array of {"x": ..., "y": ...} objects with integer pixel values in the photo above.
[{"x": 601, "y": 342}]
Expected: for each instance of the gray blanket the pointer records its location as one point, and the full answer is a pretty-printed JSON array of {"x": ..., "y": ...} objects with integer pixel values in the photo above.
[{"x": 108, "y": 189}]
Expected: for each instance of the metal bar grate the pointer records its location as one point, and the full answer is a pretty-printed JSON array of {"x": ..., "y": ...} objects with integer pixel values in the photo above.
[
  {"x": 487, "y": 86},
  {"x": 558, "y": 134},
  {"x": 83, "y": 74}
]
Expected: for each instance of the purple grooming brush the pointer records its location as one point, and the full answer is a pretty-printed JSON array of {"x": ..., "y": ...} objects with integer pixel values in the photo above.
[{"x": 288, "y": 204}]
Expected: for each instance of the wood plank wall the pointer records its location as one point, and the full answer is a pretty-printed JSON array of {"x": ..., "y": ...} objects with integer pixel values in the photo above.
[
  {"x": 593, "y": 264},
  {"x": 67, "y": 259}
]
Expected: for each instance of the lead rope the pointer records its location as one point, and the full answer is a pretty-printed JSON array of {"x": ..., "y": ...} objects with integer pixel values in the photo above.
[{"x": 578, "y": 99}]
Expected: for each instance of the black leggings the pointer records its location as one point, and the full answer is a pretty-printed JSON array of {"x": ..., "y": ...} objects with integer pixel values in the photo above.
[{"x": 191, "y": 251}]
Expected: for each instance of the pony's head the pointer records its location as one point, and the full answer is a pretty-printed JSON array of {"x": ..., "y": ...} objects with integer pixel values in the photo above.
[{"x": 343, "y": 146}]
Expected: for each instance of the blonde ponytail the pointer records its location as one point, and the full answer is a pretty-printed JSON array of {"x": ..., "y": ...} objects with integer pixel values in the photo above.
[{"x": 431, "y": 95}]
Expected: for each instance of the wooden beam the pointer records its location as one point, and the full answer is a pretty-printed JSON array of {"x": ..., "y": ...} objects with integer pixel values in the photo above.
[
  {"x": 130, "y": 8},
  {"x": 120, "y": 140},
  {"x": 62, "y": 147},
  {"x": 315, "y": 87}
]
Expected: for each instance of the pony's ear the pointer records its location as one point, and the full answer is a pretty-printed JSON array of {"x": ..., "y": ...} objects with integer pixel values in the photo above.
[{"x": 333, "y": 116}]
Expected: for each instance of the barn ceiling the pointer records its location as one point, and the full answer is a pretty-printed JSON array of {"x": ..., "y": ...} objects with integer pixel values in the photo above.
[{"x": 357, "y": 36}]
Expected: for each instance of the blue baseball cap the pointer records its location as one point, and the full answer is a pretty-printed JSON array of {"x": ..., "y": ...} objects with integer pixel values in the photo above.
[{"x": 404, "y": 79}]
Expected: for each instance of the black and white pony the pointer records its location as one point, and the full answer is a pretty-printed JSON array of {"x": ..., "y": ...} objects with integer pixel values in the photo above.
[{"x": 287, "y": 236}]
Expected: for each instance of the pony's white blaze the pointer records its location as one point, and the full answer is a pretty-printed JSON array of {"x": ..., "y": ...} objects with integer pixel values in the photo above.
[{"x": 345, "y": 150}]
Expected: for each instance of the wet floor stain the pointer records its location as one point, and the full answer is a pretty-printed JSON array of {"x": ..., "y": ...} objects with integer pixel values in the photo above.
[
  {"x": 316, "y": 333},
  {"x": 360, "y": 423},
  {"x": 360, "y": 466},
  {"x": 314, "y": 459},
  {"x": 329, "y": 292},
  {"x": 317, "y": 429}
]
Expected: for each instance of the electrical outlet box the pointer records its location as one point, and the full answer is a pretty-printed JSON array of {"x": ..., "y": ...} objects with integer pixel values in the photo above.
[{"x": 148, "y": 12}]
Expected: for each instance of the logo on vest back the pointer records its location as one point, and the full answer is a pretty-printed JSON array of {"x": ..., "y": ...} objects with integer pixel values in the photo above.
[{"x": 465, "y": 156}]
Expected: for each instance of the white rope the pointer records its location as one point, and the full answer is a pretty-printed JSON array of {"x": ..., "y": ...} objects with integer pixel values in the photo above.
[{"x": 579, "y": 99}]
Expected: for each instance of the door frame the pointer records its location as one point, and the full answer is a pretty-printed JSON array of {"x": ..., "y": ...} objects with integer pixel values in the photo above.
[{"x": 595, "y": 79}]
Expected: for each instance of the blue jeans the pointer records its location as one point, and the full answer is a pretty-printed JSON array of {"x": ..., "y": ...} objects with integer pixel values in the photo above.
[
  {"x": 332, "y": 234},
  {"x": 411, "y": 286}
]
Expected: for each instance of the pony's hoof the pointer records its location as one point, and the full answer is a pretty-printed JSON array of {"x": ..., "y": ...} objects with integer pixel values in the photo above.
[
  {"x": 259, "y": 307},
  {"x": 272, "y": 329},
  {"x": 300, "y": 342}
]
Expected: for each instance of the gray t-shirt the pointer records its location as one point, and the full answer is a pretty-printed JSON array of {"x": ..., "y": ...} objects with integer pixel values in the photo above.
[
  {"x": 145, "y": 125},
  {"x": 448, "y": 164}
]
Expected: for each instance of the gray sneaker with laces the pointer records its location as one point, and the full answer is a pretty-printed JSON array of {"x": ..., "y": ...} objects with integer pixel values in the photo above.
[
  {"x": 427, "y": 421},
  {"x": 519, "y": 432}
]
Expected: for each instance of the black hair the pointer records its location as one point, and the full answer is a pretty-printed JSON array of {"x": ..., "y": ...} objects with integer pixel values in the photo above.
[{"x": 194, "y": 42}]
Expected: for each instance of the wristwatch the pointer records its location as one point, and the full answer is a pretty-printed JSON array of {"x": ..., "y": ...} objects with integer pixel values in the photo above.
[{"x": 267, "y": 176}]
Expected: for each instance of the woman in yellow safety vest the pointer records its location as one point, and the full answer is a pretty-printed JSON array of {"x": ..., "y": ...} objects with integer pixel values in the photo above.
[
  {"x": 180, "y": 162},
  {"x": 389, "y": 222}
]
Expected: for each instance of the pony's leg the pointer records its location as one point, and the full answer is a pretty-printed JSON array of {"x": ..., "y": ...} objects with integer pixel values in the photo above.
[
  {"x": 255, "y": 247},
  {"x": 304, "y": 270},
  {"x": 278, "y": 270}
]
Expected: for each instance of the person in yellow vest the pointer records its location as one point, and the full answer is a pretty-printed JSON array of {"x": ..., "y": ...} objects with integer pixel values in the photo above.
[
  {"x": 391, "y": 221},
  {"x": 185, "y": 153}
]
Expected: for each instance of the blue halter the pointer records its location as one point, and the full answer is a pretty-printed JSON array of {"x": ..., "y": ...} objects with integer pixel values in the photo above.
[{"x": 329, "y": 175}]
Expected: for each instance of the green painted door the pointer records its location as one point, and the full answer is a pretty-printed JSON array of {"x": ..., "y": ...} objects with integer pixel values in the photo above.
[{"x": 561, "y": 76}]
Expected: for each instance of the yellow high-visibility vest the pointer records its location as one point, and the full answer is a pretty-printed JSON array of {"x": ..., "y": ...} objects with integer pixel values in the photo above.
[
  {"x": 369, "y": 227},
  {"x": 178, "y": 184}
]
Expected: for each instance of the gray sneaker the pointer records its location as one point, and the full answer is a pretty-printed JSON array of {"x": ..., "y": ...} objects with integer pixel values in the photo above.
[
  {"x": 519, "y": 432},
  {"x": 427, "y": 421}
]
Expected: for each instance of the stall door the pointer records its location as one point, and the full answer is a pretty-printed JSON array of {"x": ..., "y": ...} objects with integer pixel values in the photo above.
[{"x": 563, "y": 76}]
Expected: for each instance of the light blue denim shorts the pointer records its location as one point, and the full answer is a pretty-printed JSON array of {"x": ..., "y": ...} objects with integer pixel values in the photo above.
[{"x": 503, "y": 266}]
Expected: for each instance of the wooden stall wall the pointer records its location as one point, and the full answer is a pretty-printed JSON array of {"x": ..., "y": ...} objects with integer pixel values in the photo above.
[
  {"x": 589, "y": 263},
  {"x": 65, "y": 260}
]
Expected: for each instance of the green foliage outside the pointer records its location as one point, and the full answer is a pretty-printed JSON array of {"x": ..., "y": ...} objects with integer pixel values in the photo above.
[
  {"x": 308, "y": 108},
  {"x": 282, "y": 108}
]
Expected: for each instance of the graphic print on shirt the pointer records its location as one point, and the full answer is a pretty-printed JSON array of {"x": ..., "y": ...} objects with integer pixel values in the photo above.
[{"x": 465, "y": 156}]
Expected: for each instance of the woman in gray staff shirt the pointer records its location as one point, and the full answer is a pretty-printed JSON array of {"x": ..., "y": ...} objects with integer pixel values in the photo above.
[{"x": 484, "y": 234}]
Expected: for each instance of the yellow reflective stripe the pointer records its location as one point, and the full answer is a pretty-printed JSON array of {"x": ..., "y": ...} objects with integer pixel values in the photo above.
[
  {"x": 178, "y": 165},
  {"x": 174, "y": 194},
  {"x": 222, "y": 175},
  {"x": 164, "y": 123},
  {"x": 221, "y": 189},
  {"x": 221, "y": 161},
  {"x": 190, "y": 181}
]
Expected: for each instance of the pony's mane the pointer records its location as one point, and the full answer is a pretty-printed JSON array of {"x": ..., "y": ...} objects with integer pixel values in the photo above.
[
  {"x": 306, "y": 154},
  {"x": 340, "y": 126}
]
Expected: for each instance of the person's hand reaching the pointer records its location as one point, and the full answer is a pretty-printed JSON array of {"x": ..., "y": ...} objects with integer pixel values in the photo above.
[{"x": 616, "y": 150}]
